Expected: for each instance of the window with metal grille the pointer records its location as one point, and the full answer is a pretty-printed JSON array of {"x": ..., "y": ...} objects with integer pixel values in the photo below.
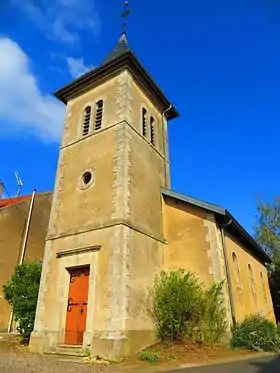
[
  {"x": 86, "y": 121},
  {"x": 153, "y": 136},
  {"x": 144, "y": 122},
  {"x": 98, "y": 115}
]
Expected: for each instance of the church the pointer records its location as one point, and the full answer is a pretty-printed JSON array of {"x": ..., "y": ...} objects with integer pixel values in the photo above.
[{"x": 115, "y": 221}]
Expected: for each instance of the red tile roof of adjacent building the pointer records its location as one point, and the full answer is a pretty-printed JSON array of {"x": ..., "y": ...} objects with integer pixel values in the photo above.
[{"x": 9, "y": 201}]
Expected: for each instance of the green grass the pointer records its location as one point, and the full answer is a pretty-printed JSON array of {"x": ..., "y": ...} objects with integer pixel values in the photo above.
[{"x": 150, "y": 357}]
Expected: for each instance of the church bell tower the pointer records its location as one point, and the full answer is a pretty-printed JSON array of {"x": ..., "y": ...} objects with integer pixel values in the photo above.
[{"x": 105, "y": 237}]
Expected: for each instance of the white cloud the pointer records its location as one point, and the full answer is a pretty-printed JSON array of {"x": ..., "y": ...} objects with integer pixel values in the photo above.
[
  {"x": 23, "y": 107},
  {"x": 77, "y": 66},
  {"x": 61, "y": 20}
]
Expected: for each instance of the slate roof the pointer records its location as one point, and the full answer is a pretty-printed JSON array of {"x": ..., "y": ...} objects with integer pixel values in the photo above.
[
  {"x": 223, "y": 216},
  {"x": 120, "y": 58},
  {"x": 120, "y": 48}
]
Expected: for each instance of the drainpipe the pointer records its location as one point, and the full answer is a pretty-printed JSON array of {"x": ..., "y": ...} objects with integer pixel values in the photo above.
[
  {"x": 166, "y": 152},
  {"x": 166, "y": 160},
  {"x": 23, "y": 247},
  {"x": 231, "y": 301}
]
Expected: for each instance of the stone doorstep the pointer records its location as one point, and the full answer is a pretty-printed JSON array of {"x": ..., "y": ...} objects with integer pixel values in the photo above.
[{"x": 68, "y": 350}]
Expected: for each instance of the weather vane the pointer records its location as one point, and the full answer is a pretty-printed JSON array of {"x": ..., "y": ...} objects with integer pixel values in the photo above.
[{"x": 125, "y": 14}]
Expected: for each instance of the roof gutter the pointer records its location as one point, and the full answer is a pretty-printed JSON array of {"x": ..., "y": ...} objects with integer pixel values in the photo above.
[
  {"x": 260, "y": 253},
  {"x": 224, "y": 216},
  {"x": 229, "y": 284}
]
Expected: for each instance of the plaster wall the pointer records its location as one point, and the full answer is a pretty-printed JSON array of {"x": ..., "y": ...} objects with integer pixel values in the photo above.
[
  {"x": 12, "y": 224},
  {"x": 185, "y": 232},
  {"x": 246, "y": 301}
]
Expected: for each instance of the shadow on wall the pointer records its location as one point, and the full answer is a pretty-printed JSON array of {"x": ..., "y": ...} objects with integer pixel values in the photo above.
[{"x": 267, "y": 367}]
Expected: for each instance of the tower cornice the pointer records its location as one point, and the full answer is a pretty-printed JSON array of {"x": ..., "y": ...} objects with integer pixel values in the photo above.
[{"x": 125, "y": 60}]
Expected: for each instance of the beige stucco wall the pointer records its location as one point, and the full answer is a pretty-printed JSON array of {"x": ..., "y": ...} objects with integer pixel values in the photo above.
[
  {"x": 140, "y": 101},
  {"x": 245, "y": 302},
  {"x": 78, "y": 154},
  {"x": 12, "y": 223},
  {"x": 54, "y": 298},
  {"x": 108, "y": 92},
  {"x": 145, "y": 260},
  {"x": 146, "y": 162},
  {"x": 194, "y": 242},
  {"x": 186, "y": 233},
  {"x": 145, "y": 186},
  {"x": 94, "y": 202}
]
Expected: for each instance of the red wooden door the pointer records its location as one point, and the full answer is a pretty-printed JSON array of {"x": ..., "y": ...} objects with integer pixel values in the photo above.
[{"x": 77, "y": 305}]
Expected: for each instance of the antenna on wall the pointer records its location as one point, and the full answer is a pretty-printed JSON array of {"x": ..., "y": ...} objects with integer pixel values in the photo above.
[{"x": 19, "y": 183}]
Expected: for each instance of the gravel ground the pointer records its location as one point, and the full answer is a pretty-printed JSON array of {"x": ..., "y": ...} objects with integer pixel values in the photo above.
[
  {"x": 16, "y": 364},
  {"x": 16, "y": 359}
]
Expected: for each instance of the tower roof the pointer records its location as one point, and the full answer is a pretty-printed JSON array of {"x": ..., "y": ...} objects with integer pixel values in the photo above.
[
  {"x": 119, "y": 59},
  {"x": 120, "y": 48}
]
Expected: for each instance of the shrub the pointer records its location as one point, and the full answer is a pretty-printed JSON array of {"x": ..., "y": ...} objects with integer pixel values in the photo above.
[
  {"x": 183, "y": 308},
  {"x": 212, "y": 322},
  {"x": 176, "y": 300},
  {"x": 256, "y": 333},
  {"x": 151, "y": 357},
  {"x": 21, "y": 291}
]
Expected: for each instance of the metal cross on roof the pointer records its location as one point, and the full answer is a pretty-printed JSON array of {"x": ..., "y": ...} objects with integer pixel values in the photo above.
[{"x": 125, "y": 14}]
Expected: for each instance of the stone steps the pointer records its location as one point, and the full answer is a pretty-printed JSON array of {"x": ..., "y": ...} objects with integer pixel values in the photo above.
[{"x": 68, "y": 350}]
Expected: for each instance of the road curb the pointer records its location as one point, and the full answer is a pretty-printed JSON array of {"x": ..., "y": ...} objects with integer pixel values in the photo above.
[
  {"x": 227, "y": 360},
  {"x": 174, "y": 368}
]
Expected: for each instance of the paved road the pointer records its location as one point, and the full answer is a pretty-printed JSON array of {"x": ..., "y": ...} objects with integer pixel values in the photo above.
[{"x": 269, "y": 364}]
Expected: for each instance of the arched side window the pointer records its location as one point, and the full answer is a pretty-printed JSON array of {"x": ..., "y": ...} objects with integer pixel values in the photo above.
[
  {"x": 252, "y": 281},
  {"x": 98, "y": 115},
  {"x": 153, "y": 136},
  {"x": 237, "y": 277},
  {"x": 86, "y": 120},
  {"x": 236, "y": 271},
  {"x": 144, "y": 122},
  {"x": 263, "y": 287}
]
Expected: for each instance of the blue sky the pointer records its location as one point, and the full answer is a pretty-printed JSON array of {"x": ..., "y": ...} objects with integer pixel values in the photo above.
[{"x": 217, "y": 61}]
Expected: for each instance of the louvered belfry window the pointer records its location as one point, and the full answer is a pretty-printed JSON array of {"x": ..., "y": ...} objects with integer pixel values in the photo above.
[
  {"x": 144, "y": 122},
  {"x": 152, "y": 123},
  {"x": 86, "y": 123},
  {"x": 98, "y": 115}
]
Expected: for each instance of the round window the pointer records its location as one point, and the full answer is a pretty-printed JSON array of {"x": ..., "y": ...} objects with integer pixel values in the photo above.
[{"x": 86, "y": 179}]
